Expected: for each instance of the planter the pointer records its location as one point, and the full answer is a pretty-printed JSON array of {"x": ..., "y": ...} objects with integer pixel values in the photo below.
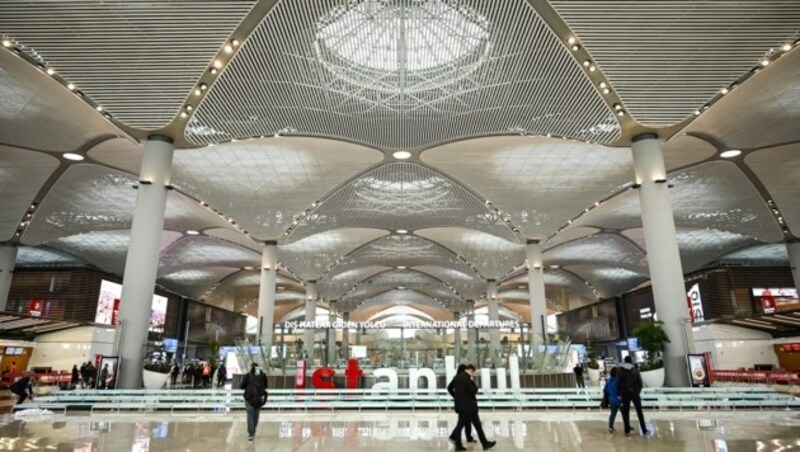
[
  {"x": 594, "y": 375},
  {"x": 653, "y": 378},
  {"x": 153, "y": 380}
]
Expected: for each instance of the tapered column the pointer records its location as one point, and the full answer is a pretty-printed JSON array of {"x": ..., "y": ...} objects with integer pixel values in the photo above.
[
  {"x": 8, "y": 259},
  {"x": 457, "y": 338},
  {"x": 266, "y": 294},
  {"x": 472, "y": 335},
  {"x": 141, "y": 263},
  {"x": 494, "y": 316},
  {"x": 538, "y": 301},
  {"x": 794, "y": 261},
  {"x": 346, "y": 337},
  {"x": 311, "y": 316},
  {"x": 664, "y": 261},
  {"x": 331, "y": 335}
]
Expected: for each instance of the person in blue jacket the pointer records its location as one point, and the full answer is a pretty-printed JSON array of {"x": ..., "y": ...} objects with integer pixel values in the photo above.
[{"x": 612, "y": 396}]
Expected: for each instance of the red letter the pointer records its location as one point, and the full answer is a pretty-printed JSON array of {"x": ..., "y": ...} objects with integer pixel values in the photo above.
[
  {"x": 323, "y": 378},
  {"x": 353, "y": 374}
]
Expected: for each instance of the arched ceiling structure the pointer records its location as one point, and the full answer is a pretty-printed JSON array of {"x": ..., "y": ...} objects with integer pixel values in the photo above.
[{"x": 513, "y": 119}]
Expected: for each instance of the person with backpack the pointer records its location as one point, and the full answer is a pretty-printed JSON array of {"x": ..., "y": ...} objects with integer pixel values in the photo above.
[
  {"x": 629, "y": 387},
  {"x": 611, "y": 398},
  {"x": 255, "y": 386}
]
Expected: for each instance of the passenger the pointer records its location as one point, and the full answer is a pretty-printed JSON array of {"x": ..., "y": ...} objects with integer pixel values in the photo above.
[
  {"x": 255, "y": 396},
  {"x": 222, "y": 375},
  {"x": 611, "y": 396},
  {"x": 13, "y": 369},
  {"x": 629, "y": 388},
  {"x": 22, "y": 388},
  {"x": 464, "y": 392},
  {"x": 578, "y": 369},
  {"x": 206, "y": 375},
  {"x": 450, "y": 389},
  {"x": 75, "y": 376},
  {"x": 174, "y": 374},
  {"x": 101, "y": 383}
]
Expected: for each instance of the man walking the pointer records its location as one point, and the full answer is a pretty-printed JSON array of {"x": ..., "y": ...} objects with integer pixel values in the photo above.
[
  {"x": 451, "y": 390},
  {"x": 464, "y": 392},
  {"x": 255, "y": 396},
  {"x": 629, "y": 388},
  {"x": 578, "y": 369}
]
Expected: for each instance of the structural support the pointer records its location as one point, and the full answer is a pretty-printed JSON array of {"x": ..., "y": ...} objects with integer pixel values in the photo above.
[
  {"x": 311, "y": 316},
  {"x": 346, "y": 337},
  {"x": 664, "y": 261},
  {"x": 266, "y": 295},
  {"x": 457, "y": 338},
  {"x": 494, "y": 318},
  {"x": 538, "y": 301},
  {"x": 141, "y": 263},
  {"x": 472, "y": 336},
  {"x": 8, "y": 259},
  {"x": 794, "y": 262},
  {"x": 331, "y": 335}
]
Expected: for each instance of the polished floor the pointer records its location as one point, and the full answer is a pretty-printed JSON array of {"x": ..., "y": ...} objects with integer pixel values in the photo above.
[{"x": 554, "y": 431}]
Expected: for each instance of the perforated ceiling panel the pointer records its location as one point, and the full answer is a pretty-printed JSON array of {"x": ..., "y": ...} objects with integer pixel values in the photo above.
[
  {"x": 684, "y": 150},
  {"x": 666, "y": 58},
  {"x": 769, "y": 254},
  {"x": 120, "y": 153},
  {"x": 609, "y": 281},
  {"x": 38, "y": 113},
  {"x": 265, "y": 184},
  {"x": 31, "y": 257},
  {"x": 468, "y": 284},
  {"x": 197, "y": 251},
  {"x": 401, "y": 280},
  {"x": 714, "y": 195},
  {"x": 570, "y": 234},
  {"x": 552, "y": 277},
  {"x": 402, "y": 74},
  {"x": 137, "y": 58},
  {"x": 698, "y": 247},
  {"x": 22, "y": 174},
  {"x": 539, "y": 182},
  {"x": 492, "y": 256},
  {"x": 402, "y": 196},
  {"x": 336, "y": 283},
  {"x": 195, "y": 282},
  {"x": 311, "y": 257},
  {"x": 600, "y": 249},
  {"x": 779, "y": 170},
  {"x": 399, "y": 298}
]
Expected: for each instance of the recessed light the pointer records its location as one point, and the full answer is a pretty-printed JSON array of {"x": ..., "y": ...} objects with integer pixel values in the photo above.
[
  {"x": 248, "y": 267},
  {"x": 235, "y": 43},
  {"x": 586, "y": 63},
  {"x": 575, "y": 47},
  {"x": 99, "y": 108},
  {"x": 724, "y": 91},
  {"x": 70, "y": 86},
  {"x": 765, "y": 62},
  {"x": 72, "y": 156},
  {"x": 228, "y": 48},
  {"x": 214, "y": 71},
  {"x": 786, "y": 47},
  {"x": 184, "y": 114},
  {"x": 198, "y": 92},
  {"x": 217, "y": 64},
  {"x": 730, "y": 153},
  {"x": 402, "y": 155},
  {"x": 7, "y": 43},
  {"x": 402, "y": 231},
  {"x": 192, "y": 232},
  {"x": 572, "y": 40},
  {"x": 617, "y": 107},
  {"x": 401, "y": 267},
  {"x": 592, "y": 68},
  {"x": 50, "y": 71}
]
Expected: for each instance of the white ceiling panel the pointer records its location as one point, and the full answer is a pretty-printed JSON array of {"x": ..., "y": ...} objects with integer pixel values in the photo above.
[
  {"x": 666, "y": 58},
  {"x": 22, "y": 174},
  {"x": 193, "y": 252},
  {"x": 233, "y": 236},
  {"x": 311, "y": 257},
  {"x": 403, "y": 74},
  {"x": 766, "y": 254},
  {"x": 402, "y": 196},
  {"x": 683, "y": 150},
  {"x": 265, "y": 184},
  {"x": 609, "y": 281},
  {"x": 195, "y": 282},
  {"x": 600, "y": 249},
  {"x": 137, "y": 58},
  {"x": 468, "y": 284},
  {"x": 340, "y": 280},
  {"x": 570, "y": 234},
  {"x": 36, "y": 112},
  {"x": 120, "y": 153},
  {"x": 28, "y": 256},
  {"x": 779, "y": 170},
  {"x": 539, "y": 182},
  {"x": 491, "y": 255}
]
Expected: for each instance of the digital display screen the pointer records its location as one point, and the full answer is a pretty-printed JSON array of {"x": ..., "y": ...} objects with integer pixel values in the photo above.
[
  {"x": 773, "y": 299},
  {"x": 108, "y": 303}
]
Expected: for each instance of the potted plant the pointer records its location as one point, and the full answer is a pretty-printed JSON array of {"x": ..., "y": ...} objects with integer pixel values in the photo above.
[
  {"x": 653, "y": 339},
  {"x": 592, "y": 366},
  {"x": 155, "y": 370}
]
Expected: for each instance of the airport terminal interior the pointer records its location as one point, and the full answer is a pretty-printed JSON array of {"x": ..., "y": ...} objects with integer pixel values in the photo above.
[{"x": 357, "y": 196}]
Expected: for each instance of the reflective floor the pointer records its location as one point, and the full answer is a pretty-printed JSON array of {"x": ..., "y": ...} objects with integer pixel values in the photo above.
[{"x": 566, "y": 431}]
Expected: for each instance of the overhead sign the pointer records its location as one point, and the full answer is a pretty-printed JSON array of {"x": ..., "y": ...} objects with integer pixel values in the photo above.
[{"x": 411, "y": 324}]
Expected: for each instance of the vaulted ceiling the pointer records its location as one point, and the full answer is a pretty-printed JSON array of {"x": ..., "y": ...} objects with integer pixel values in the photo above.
[{"x": 401, "y": 153}]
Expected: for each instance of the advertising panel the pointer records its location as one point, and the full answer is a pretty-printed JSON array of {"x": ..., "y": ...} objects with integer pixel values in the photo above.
[
  {"x": 35, "y": 307},
  {"x": 108, "y": 307},
  {"x": 776, "y": 299},
  {"x": 107, "y": 372},
  {"x": 699, "y": 371},
  {"x": 695, "y": 304}
]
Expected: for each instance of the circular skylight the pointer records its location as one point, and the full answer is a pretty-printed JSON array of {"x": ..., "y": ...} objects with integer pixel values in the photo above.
[{"x": 379, "y": 43}]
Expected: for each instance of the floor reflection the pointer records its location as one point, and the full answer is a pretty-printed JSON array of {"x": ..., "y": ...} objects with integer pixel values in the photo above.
[{"x": 713, "y": 432}]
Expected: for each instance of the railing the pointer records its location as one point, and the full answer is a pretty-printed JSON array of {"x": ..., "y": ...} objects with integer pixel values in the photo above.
[{"x": 783, "y": 377}]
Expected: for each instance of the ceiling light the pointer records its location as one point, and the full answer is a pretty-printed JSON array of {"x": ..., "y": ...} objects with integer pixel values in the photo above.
[
  {"x": 586, "y": 63},
  {"x": 572, "y": 40},
  {"x": 617, "y": 107},
  {"x": 188, "y": 108},
  {"x": 765, "y": 62},
  {"x": 786, "y": 47},
  {"x": 72, "y": 156},
  {"x": 184, "y": 114},
  {"x": 198, "y": 92},
  {"x": 592, "y": 68},
  {"x": 203, "y": 86},
  {"x": 697, "y": 112},
  {"x": 575, "y": 47},
  {"x": 620, "y": 113},
  {"x": 401, "y": 267},
  {"x": 730, "y": 153},
  {"x": 248, "y": 267},
  {"x": 50, "y": 71},
  {"x": 98, "y": 108},
  {"x": 724, "y": 91},
  {"x": 214, "y": 71},
  {"x": 217, "y": 64},
  {"x": 7, "y": 43},
  {"x": 228, "y": 48},
  {"x": 606, "y": 90},
  {"x": 235, "y": 42},
  {"x": 192, "y": 232},
  {"x": 70, "y": 86},
  {"x": 603, "y": 84},
  {"x": 401, "y": 231},
  {"x": 401, "y": 155}
]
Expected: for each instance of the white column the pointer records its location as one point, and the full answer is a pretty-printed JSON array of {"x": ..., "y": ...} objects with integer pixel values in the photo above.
[
  {"x": 538, "y": 301},
  {"x": 794, "y": 262},
  {"x": 266, "y": 295},
  {"x": 311, "y": 315},
  {"x": 664, "y": 261},
  {"x": 8, "y": 259},
  {"x": 494, "y": 316},
  {"x": 331, "y": 336},
  {"x": 472, "y": 336},
  {"x": 346, "y": 337},
  {"x": 141, "y": 263},
  {"x": 457, "y": 338}
]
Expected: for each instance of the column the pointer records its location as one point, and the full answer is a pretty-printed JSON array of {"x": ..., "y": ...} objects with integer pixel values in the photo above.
[
  {"x": 457, "y": 338},
  {"x": 311, "y": 315},
  {"x": 494, "y": 316},
  {"x": 664, "y": 261},
  {"x": 8, "y": 259},
  {"x": 538, "y": 301},
  {"x": 794, "y": 262},
  {"x": 141, "y": 263},
  {"x": 472, "y": 336},
  {"x": 331, "y": 335},
  {"x": 346, "y": 336},
  {"x": 266, "y": 295}
]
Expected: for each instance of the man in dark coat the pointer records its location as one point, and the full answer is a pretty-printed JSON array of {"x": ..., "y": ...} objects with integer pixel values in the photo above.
[
  {"x": 464, "y": 392},
  {"x": 451, "y": 390},
  {"x": 629, "y": 387},
  {"x": 22, "y": 388},
  {"x": 255, "y": 396}
]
